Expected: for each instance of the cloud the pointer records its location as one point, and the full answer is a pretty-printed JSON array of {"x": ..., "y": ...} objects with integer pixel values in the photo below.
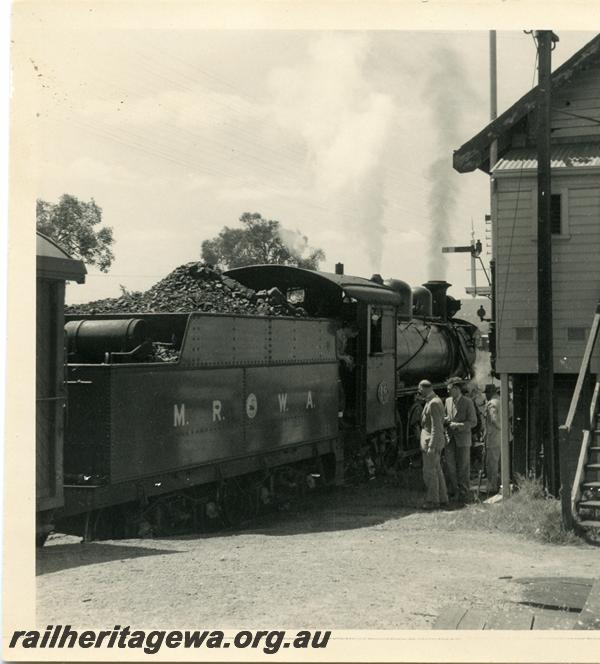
[{"x": 92, "y": 169}]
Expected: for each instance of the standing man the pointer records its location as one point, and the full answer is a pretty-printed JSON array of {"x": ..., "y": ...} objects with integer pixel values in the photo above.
[
  {"x": 346, "y": 331},
  {"x": 492, "y": 441},
  {"x": 479, "y": 400},
  {"x": 433, "y": 440},
  {"x": 460, "y": 420}
]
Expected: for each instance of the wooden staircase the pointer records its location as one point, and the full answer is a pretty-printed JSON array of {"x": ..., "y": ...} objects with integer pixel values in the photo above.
[
  {"x": 587, "y": 499},
  {"x": 583, "y": 510}
]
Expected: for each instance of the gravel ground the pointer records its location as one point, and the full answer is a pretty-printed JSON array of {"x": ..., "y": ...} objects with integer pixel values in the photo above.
[{"x": 353, "y": 558}]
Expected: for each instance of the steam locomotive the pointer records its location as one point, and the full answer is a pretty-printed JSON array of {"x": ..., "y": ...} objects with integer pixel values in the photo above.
[{"x": 249, "y": 411}]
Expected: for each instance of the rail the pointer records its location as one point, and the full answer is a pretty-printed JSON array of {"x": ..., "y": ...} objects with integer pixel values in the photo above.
[{"x": 569, "y": 503}]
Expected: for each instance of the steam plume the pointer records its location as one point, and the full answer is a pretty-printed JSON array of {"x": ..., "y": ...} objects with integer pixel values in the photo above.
[
  {"x": 482, "y": 369},
  {"x": 447, "y": 78},
  {"x": 344, "y": 122}
]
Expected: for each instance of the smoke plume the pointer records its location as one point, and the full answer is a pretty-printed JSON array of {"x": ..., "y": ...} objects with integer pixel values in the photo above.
[
  {"x": 482, "y": 369},
  {"x": 295, "y": 243},
  {"x": 343, "y": 121},
  {"x": 446, "y": 81}
]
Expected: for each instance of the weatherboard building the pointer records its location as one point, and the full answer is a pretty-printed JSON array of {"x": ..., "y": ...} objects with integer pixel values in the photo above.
[{"x": 575, "y": 205}]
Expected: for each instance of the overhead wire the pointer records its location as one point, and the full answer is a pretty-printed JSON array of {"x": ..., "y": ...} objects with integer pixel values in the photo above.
[
  {"x": 392, "y": 204},
  {"x": 174, "y": 73},
  {"x": 161, "y": 146}
]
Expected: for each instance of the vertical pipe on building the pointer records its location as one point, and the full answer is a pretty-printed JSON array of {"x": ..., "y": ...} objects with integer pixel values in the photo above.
[
  {"x": 505, "y": 435},
  {"x": 544, "y": 264}
]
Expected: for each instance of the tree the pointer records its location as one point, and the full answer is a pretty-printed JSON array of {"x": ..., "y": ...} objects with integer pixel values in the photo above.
[
  {"x": 260, "y": 241},
  {"x": 71, "y": 223}
]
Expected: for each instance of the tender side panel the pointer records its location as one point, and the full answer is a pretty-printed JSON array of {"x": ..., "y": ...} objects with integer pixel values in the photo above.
[
  {"x": 230, "y": 396},
  {"x": 301, "y": 341},
  {"x": 246, "y": 340},
  {"x": 225, "y": 341},
  {"x": 291, "y": 404},
  {"x": 165, "y": 418},
  {"x": 87, "y": 440}
]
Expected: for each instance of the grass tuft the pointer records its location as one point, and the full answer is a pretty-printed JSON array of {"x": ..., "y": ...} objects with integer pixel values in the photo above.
[{"x": 527, "y": 512}]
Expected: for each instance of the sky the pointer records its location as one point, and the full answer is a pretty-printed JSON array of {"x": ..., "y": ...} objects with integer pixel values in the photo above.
[{"x": 344, "y": 136}]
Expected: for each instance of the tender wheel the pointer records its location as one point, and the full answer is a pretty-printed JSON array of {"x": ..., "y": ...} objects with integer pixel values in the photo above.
[
  {"x": 236, "y": 504},
  {"x": 40, "y": 539}
]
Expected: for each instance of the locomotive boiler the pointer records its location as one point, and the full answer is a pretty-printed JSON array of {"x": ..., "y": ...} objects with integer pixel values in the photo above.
[{"x": 432, "y": 344}]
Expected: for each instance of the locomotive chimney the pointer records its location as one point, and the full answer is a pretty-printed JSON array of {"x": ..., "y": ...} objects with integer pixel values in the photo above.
[
  {"x": 438, "y": 294},
  {"x": 339, "y": 268}
]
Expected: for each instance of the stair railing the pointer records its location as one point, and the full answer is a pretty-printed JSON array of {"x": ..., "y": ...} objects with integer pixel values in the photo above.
[{"x": 569, "y": 503}]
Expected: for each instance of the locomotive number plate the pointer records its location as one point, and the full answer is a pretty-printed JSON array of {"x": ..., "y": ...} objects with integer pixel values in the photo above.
[{"x": 383, "y": 392}]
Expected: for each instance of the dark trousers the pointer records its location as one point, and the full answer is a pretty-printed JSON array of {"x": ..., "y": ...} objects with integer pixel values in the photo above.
[{"x": 458, "y": 470}]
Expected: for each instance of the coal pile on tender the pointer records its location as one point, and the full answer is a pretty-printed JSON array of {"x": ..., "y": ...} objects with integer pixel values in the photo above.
[
  {"x": 190, "y": 288},
  {"x": 193, "y": 287}
]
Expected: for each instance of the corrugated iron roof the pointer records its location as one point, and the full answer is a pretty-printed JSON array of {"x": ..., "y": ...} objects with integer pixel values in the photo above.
[{"x": 579, "y": 155}]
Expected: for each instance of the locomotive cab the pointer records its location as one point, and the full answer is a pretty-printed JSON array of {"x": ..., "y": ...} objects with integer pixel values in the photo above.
[
  {"x": 369, "y": 390},
  {"x": 376, "y": 365}
]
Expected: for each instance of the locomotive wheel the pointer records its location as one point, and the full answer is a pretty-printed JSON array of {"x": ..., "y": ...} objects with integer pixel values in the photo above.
[{"x": 392, "y": 452}]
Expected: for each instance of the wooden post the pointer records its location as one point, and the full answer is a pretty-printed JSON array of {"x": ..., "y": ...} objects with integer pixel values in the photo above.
[
  {"x": 565, "y": 490},
  {"x": 545, "y": 413},
  {"x": 493, "y": 96},
  {"x": 493, "y": 202},
  {"x": 505, "y": 436}
]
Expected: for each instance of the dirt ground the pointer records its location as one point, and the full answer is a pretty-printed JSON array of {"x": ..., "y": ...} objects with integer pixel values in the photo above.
[{"x": 354, "y": 558}]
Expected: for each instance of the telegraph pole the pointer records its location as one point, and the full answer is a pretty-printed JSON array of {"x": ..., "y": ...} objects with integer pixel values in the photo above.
[
  {"x": 505, "y": 460},
  {"x": 546, "y": 429}
]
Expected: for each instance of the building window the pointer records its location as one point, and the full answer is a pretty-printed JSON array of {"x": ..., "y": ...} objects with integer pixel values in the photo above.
[
  {"x": 524, "y": 334},
  {"x": 559, "y": 213},
  {"x": 576, "y": 333},
  {"x": 556, "y": 213}
]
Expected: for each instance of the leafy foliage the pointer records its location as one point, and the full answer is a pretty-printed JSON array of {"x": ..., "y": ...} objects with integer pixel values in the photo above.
[
  {"x": 72, "y": 224},
  {"x": 260, "y": 241}
]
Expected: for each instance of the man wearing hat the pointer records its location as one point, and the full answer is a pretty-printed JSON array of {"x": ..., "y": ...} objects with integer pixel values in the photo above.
[
  {"x": 433, "y": 440},
  {"x": 492, "y": 440},
  {"x": 460, "y": 420}
]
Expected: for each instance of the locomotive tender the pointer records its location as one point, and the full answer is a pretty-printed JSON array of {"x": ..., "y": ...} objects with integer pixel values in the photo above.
[{"x": 250, "y": 407}]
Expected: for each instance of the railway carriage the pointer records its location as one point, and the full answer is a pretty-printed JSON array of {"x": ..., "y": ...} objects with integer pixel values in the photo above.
[{"x": 53, "y": 267}]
